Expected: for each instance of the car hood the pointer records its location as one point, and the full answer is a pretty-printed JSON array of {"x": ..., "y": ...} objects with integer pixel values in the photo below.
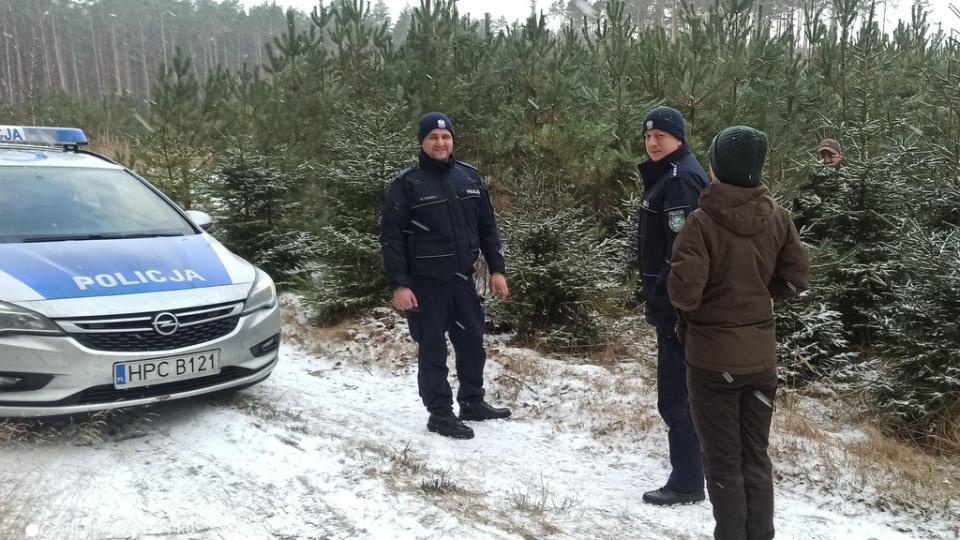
[{"x": 85, "y": 269}]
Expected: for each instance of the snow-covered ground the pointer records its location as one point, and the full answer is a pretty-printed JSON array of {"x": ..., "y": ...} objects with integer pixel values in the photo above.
[{"x": 334, "y": 446}]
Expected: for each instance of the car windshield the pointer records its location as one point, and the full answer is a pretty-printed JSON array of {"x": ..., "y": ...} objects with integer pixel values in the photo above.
[{"x": 60, "y": 203}]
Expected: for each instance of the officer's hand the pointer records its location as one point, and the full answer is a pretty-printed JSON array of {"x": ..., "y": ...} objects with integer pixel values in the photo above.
[
  {"x": 498, "y": 286},
  {"x": 404, "y": 299}
]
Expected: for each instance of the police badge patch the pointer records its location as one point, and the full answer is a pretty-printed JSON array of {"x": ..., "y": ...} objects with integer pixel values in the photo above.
[{"x": 675, "y": 219}]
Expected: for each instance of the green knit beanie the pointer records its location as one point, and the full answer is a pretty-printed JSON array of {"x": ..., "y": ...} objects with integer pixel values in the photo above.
[{"x": 737, "y": 154}]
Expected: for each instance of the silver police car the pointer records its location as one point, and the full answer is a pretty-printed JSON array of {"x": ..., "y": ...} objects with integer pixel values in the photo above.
[{"x": 112, "y": 296}]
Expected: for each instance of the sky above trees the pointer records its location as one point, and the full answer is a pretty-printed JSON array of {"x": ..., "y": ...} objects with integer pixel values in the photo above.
[
  {"x": 940, "y": 11},
  {"x": 511, "y": 9}
]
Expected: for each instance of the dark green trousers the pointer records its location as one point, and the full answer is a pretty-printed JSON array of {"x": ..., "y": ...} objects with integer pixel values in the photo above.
[{"x": 732, "y": 414}]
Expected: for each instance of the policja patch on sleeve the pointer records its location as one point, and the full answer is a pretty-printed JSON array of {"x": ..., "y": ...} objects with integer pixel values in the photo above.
[{"x": 675, "y": 219}]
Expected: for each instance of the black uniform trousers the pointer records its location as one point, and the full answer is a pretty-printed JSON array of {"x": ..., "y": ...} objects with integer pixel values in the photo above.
[
  {"x": 686, "y": 475},
  {"x": 733, "y": 415},
  {"x": 452, "y": 308}
]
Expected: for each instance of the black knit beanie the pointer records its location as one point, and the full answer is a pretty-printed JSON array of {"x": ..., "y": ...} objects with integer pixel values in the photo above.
[
  {"x": 665, "y": 119},
  {"x": 737, "y": 154},
  {"x": 432, "y": 121}
]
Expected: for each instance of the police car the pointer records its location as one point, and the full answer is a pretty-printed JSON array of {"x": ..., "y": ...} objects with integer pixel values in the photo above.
[{"x": 112, "y": 296}]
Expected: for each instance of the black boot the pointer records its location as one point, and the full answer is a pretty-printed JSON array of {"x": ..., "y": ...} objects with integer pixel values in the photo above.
[
  {"x": 446, "y": 424},
  {"x": 481, "y": 410},
  {"x": 668, "y": 497}
]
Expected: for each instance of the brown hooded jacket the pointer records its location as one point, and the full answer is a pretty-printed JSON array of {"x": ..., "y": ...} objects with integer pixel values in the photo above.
[{"x": 735, "y": 253}]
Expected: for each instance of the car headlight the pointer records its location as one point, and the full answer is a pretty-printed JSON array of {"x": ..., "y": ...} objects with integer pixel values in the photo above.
[
  {"x": 262, "y": 295},
  {"x": 17, "y": 320}
]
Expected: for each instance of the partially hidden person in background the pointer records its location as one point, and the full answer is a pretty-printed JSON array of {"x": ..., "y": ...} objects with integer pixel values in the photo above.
[
  {"x": 738, "y": 251},
  {"x": 672, "y": 182},
  {"x": 821, "y": 186},
  {"x": 829, "y": 153},
  {"x": 437, "y": 219}
]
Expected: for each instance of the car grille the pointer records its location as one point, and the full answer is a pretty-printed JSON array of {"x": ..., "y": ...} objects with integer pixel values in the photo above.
[{"x": 136, "y": 333}]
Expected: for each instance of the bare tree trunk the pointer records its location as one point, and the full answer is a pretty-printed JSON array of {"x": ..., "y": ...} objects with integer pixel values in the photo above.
[
  {"x": 163, "y": 40},
  {"x": 30, "y": 68},
  {"x": 76, "y": 72},
  {"x": 48, "y": 83},
  {"x": 96, "y": 58},
  {"x": 208, "y": 51},
  {"x": 61, "y": 68},
  {"x": 19, "y": 59},
  {"x": 128, "y": 60},
  {"x": 116, "y": 59},
  {"x": 674, "y": 23},
  {"x": 9, "y": 65},
  {"x": 143, "y": 62},
  {"x": 199, "y": 58}
]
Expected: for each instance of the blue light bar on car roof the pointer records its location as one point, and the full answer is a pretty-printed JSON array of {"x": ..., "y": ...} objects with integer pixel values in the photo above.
[{"x": 42, "y": 135}]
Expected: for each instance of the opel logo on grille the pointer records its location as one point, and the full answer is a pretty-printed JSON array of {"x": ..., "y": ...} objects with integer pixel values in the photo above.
[{"x": 165, "y": 324}]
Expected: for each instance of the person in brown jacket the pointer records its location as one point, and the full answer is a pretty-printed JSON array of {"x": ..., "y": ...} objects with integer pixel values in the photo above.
[{"x": 735, "y": 253}]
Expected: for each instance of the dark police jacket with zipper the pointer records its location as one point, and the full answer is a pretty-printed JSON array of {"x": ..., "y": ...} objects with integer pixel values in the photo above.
[
  {"x": 436, "y": 221},
  {"x": 671, "y": 189}
]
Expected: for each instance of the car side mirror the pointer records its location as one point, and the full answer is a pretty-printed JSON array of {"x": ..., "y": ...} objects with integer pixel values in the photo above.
[{"x": 201, "y": 219}]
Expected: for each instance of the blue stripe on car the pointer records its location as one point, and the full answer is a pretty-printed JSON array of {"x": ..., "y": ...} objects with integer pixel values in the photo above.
[{"x": 79, "y": 269}]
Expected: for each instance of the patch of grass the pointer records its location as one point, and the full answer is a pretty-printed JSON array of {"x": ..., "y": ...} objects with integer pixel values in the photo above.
[
  {"x": 945, "y": 438},
  {"x": 630, "y": 339},
  {"x": 799, "y": 425},
  {"x": 379, "y": 339},
  {"x": 903, "y": 475},
  {"x": 407, "y": 459},
  {"x": 845, "y": 453},
  {"x": 402, "y": 462},
  {"x": 625, "y": 384},
  {"x": 300, "y": 429},
  {"x": 537, "y": 501},
  {"x": 527, "y": 503},
  {"x": 81, "y": 430},
  {"x": 257, "y": 407},
  {"x": 440, "y": 485},
  {"x": 522, "y": 368}
]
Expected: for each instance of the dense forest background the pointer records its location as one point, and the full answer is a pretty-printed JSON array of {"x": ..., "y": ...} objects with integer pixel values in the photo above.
[{"x": 288, "y": 126}]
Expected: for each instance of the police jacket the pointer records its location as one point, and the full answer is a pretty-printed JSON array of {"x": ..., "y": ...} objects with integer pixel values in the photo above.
[
  {"x": 436, "y": 221},
  {"x": 671, "y": 188},
  {"x": 736, "y": 252}
]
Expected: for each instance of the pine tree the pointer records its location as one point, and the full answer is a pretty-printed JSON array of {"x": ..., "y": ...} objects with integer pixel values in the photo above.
[
  {"x": 564, "y": 277},
  {"x": 299, "y": 67},
  {"x": 369, "y": 152},
  {"x": 175, "y": 153},
  {"x": 919, "y": 382},
  {"x": 256, "y": 202}
]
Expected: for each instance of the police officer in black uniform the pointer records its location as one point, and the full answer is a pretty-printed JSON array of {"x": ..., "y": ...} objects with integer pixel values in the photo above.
[
  {"x": 436, "y": 221},
  {"x": 672, "y": 182}
]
